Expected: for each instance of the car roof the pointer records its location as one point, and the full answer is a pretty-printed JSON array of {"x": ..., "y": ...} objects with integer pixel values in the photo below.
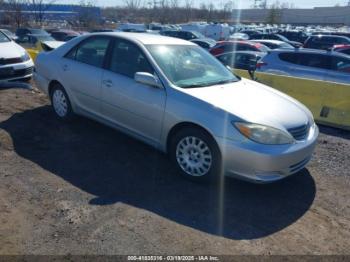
[
  {"x": 330, "y": 36},
  {"x": 277, "y": 42},
  {"x": 147, "y": 39},
  {"x": 308, "y": 51},
  {"x": 243, "y": 52}
]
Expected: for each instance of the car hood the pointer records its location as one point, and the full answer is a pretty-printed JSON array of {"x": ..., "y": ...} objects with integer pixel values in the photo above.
[
  {"x": 256, "y": 103},
  {"x": 11, "y": 50}
]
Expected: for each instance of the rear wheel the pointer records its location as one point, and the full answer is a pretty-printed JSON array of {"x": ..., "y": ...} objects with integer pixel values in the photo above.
[
  {"x": 196, "y": 155},
  {"x": 60, "y": 103}
]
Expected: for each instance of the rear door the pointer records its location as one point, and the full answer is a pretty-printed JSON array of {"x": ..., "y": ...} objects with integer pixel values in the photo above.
[
  {"x": 81, "y": 71},
  {"x": 313, "y": 66}
]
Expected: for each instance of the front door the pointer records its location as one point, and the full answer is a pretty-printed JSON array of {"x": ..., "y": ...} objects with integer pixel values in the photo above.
[{"x": 134, "y": 106}]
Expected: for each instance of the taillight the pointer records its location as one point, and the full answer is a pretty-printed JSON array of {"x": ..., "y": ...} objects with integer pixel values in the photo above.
[{"x": 260, "y": 64}]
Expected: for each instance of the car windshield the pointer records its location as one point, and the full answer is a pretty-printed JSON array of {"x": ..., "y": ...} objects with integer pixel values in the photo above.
[
  {"x": 190, "y": 66},
  {"x": 3, "y": 38},
  {"x": 7, "y": 32}
]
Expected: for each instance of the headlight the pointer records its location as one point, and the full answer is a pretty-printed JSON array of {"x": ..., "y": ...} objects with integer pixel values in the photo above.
[
  {"x": 264, "y": 134},
  {"x": 25, "y": 57}
]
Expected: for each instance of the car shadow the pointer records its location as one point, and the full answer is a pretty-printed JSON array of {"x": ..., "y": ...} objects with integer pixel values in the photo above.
[
  {"x": 333, "y": 131},
  {"x": 16, "y": 84},
  {"x": 116, "y": 168}
]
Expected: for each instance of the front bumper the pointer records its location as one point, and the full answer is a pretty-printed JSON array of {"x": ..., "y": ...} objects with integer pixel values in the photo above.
[
  {"x": 266, "y": 163},
  {"x": 19, "y": 71}
]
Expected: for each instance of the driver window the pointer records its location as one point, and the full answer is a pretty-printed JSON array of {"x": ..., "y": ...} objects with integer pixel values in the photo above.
[{"x": 127, "y": 59}]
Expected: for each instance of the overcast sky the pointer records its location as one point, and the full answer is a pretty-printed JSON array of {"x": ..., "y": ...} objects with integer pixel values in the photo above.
[{"x": 242, "y": 3}]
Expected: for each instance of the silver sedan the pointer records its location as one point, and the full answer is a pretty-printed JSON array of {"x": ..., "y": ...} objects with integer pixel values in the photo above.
[{"x": 175, "y": 96}]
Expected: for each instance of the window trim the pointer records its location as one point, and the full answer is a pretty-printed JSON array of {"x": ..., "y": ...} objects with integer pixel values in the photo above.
[{"x": 77, "y": 46}]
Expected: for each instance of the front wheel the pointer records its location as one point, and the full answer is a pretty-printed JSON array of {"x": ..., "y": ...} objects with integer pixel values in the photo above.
[
  {"x": 196, "y": 155},
  {"x": 60, "y": 103}
]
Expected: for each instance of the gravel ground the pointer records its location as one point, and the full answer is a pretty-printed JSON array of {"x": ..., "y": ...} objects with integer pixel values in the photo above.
[{"x": 83, "y": 188}]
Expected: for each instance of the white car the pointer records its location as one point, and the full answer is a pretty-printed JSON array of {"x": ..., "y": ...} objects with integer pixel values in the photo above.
[{"x": 15, "y": 63}]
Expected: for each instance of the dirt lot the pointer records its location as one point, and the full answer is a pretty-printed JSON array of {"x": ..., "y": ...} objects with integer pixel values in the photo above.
[{"x": 83, "y": 188}]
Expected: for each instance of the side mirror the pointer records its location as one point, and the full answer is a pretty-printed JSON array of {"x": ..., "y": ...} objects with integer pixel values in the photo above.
[{"x": 147, "y": 79}]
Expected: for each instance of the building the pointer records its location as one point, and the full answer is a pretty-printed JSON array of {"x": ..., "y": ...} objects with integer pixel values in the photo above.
[
  {"x": 54, "y": 12},
  {"x": 314, "y": 16}
]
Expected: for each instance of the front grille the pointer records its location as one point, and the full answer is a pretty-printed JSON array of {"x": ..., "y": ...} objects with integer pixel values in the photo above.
[
  {"x": 9, "y": 61},
  {"x": 300, "y": 132},
  {"x": 18, "y": 73}
]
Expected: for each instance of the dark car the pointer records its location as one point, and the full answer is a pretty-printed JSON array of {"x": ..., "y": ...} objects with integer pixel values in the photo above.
[
  {"x": 250, "y": 32},
  {"x": 102, "y": 30},
  {"x": 346, "y": 34},
  {"x": 20, "y": 32},
  {"x": 64, "y": 35},
  {"x": 231, "y": 46},
  {"x": 240, "y": 60},
  {"x": 204, "y": 43},
  {"x": 344, "y": 49},
  {"x": 276, "y": 37},
  {"x": 297, "y": 36},
  {"x": 186, "y": 35},
  {"x": 325, "y": 42}
]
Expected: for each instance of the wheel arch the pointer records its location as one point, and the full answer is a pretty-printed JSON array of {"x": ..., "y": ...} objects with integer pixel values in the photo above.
[
  {"x": 182, "y": 125},
  {"x": 51, "y": 85}
]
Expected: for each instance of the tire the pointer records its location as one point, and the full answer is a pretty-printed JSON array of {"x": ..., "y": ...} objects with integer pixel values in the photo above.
[
  {"x": 192, "y": 160},
  {"x": 60, "y": 103}
]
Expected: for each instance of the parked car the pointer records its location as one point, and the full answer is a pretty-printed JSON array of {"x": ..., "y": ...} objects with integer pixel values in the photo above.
[
  {"x": 64, "y": 35},
  {"x": 186, "y": 35},
  {"x": 218, "y": 32},
  {"x": 232, "y": 45},
  {"x": 15, "y": 63},
  {"x": 9, "y": 34},
  {"x": 102, "y": 30},
  {"x": 244, "y": 60},
  {"x": 325, "y": 42},
  {"x": 276, "y": 37},
  {"x": 274, "y": 44},
  {"x": 21, "y": 32},
  {"x": 307, "y": 63},
  {"x": 204, "y": 43},
  {"x": 35, "y": 44},
  {"x": 188, "y": 104},
  {"x": 250, "y": 32},
  {"x": 345, "y": 49},
  {"x": 238, "y": 36},
  {"x": 297, "y": 36},
  {"x": 46, "y": 42}
]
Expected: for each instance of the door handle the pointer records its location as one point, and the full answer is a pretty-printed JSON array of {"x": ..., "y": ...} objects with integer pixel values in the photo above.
[
  {"x": 65, "y": 67},
  {"x": 107, "y": 83}
]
